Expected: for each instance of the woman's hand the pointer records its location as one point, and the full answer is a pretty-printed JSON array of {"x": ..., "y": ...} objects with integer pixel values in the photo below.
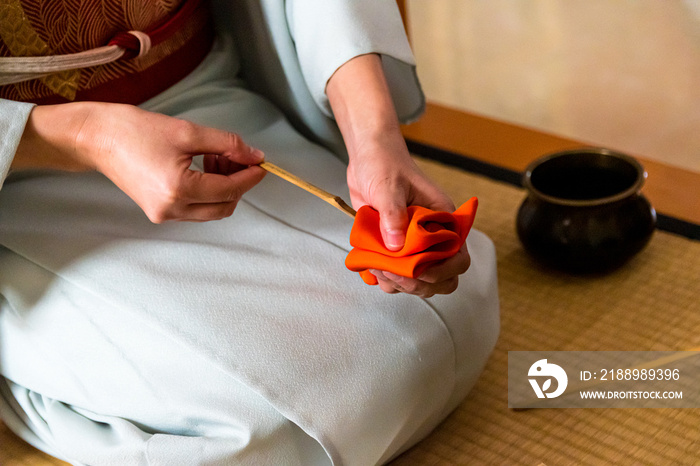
[
  {"x": 147, "y": 155},
  {"x": 382, "y": 174}
]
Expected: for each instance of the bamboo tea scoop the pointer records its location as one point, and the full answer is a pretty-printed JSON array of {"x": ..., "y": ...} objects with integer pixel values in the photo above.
[{"x": 335, "y": 201}]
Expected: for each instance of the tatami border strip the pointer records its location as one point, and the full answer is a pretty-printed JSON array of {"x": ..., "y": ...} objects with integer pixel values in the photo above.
[{"x": 665, "y": 222}]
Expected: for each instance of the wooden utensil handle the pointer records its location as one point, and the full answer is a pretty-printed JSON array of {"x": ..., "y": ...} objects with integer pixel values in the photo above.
[{"x": 335, "y": 201}]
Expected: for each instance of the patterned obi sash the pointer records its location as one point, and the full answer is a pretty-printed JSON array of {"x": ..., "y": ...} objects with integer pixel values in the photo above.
[{"x": 111, "y": 51}]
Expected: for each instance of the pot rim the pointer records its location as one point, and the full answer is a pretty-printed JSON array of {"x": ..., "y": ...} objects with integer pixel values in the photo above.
[{"x": 633, "y": 189}]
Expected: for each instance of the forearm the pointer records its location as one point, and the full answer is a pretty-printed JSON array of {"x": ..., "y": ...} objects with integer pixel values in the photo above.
[
  {"x": 50, "y": 138},
  {"x": 361, "y": 103}
]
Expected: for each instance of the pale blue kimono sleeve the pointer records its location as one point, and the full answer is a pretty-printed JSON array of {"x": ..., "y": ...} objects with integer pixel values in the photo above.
[
  {"x": 13, "y": 118},
  {"x": 328, "y": 33}
]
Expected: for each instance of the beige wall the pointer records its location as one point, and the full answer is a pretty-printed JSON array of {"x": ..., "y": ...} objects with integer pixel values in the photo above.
[{"x": 618, "y": 73}]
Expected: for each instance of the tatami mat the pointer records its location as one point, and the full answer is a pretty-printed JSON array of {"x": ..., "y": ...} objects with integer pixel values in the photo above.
[
  {"x": 653, "y": 303},
  {"x": 14, "y": 452}
]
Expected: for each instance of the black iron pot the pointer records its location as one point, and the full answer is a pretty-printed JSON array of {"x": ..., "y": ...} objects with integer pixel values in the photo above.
[{"x": 584, "y": 211}]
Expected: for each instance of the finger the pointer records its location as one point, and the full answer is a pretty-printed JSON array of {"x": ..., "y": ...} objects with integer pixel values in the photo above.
[
  {"x": 393, "y": 222},
  {"x": 420, "y": 288},
  {"x": 204, "y": 140},
  {"x": 198, "y": 213},
  {"x": 452, "y": 267},
  {"x": 192, "y": 212},
  {"x": 386, "y": 285},
  {"x": 447, "y": 287},
  {"x": 221, "y": 164},
  {"x": 405, "y": 284},
  {"x": 402, "y": 284},
  {"x": 208, "y": 212},
  {"x": 210, "y": 188}
]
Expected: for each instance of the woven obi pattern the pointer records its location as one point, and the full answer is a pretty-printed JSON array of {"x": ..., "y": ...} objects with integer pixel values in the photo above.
[{"x": 45, "y": 28}]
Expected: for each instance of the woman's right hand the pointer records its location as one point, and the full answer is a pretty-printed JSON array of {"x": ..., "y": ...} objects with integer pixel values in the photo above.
[{"x": 147, "y": 155}]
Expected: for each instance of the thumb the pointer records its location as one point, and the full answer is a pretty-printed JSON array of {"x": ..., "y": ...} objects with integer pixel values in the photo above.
[{"x": 393, "y": 223}]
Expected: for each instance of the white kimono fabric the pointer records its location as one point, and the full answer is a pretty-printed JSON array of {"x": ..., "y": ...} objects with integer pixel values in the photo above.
[{"x": 239, "y": 341}]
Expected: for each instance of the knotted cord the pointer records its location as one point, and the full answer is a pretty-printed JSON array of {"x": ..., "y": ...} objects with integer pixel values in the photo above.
[{"x": 124, "y": 45}]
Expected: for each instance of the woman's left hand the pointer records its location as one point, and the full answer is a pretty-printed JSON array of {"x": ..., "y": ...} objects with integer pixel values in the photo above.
[{"x": 383, "y": 175}]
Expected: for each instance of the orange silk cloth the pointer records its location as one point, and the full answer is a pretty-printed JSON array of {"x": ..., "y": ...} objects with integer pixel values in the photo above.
[
  {"x": 48, "y": 27},
  {"x": 431, "y": 237}
]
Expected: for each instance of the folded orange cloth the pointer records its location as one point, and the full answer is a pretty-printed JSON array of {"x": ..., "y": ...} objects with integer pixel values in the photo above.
[{"x": 431, "y": 237}]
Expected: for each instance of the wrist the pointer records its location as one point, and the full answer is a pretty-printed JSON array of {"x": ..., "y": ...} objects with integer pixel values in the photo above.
[
  {"x": 362, "y": 104},
  {"x": 52, "y": 138}
]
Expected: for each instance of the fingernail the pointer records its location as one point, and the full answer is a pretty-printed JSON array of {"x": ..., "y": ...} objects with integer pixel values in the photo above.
[
  {"x": 258, "y": 154},
  {"x": 394, "y": 239}
]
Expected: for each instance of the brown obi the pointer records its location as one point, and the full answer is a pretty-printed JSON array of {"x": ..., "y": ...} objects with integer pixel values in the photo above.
[{"x": 56, "y": 28}]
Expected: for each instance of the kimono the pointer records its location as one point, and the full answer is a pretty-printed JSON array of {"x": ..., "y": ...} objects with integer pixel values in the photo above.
[{"x": 243, "y": 340}]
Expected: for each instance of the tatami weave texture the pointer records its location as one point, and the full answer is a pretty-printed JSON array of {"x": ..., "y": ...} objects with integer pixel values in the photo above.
[{"x": 652, "y": 303}]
